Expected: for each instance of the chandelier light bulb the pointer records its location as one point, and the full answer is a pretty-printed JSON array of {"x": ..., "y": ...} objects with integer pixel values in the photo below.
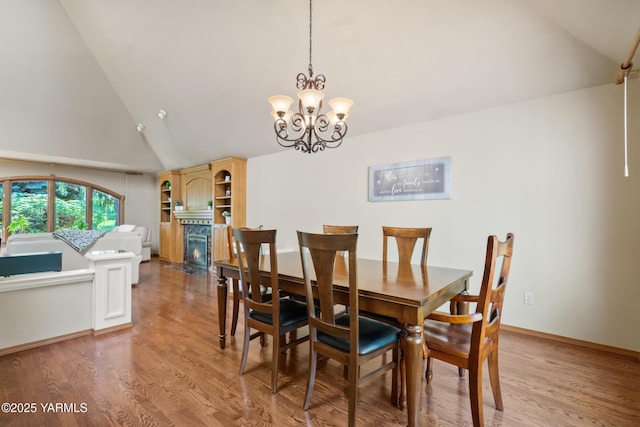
[{"x": 162, "y": 114}]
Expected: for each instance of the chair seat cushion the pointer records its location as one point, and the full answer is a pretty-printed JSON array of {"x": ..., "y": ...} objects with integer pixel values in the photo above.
[
  {"x": 374, "y": 335},
  {"x": 291, "y": 312}
]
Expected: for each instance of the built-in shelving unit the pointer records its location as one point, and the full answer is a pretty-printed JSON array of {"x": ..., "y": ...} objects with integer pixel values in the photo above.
[
  {"x": 229, "y": 190},
  {"x": 169, "y": 193},
  {"x": 222, "y": 181},
  {"x": 229, "y": 194},
  {"x": 222, "y": 195},
  {"x": 165, "y": 202}
]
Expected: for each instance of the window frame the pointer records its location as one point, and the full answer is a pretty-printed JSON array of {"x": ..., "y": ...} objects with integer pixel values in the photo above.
[{"x": 51, "y": 217}]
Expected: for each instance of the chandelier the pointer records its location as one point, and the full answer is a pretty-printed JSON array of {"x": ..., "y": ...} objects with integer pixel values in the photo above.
[{"x": 310, "y": 130}]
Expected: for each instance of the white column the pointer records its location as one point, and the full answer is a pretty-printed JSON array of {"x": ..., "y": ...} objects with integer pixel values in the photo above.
[{"x": 111, "y": 289}]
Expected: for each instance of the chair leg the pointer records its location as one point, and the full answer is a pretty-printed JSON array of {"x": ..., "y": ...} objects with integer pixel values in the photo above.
[
  {"x": 353, "y": 393},
  {"x": 236, "y": 306},
  {"x": 275, "y": 362},
  {"x": 475, "y": 394},
  {"x": 396, "y": 384},
  {"x": 245, "y": 347},
  {"x": 494, "y": 377},
  {"x": 313, "y": 363},
  {"x": 429, "y": 373},
  {"x": 403, "y": 374}
]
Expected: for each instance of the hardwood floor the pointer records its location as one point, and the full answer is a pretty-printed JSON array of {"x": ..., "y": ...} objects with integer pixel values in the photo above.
[{"x": 169, "y": 370}]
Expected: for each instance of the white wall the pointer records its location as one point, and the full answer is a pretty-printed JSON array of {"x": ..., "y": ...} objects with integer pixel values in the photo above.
[
  {"x": 548, "y": 170},
  {"x": 56, "y": 101},
  {"x": 142, "y": 203}
]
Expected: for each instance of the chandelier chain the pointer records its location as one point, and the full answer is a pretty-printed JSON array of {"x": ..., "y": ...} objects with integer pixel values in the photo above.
[{"x": 310, "y": 20}]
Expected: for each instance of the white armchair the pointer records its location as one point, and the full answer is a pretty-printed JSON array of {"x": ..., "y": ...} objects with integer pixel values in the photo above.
[{"x": 145, "y": 234}]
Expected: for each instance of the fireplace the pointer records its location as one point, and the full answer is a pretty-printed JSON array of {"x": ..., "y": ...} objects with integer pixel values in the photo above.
[
  {"x": 197, "y": 244},
  {"x": 196, "y": 250}
]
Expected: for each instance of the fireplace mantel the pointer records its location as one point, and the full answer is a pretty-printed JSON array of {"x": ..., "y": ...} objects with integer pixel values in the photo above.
[{"x": 204, "y": 217}]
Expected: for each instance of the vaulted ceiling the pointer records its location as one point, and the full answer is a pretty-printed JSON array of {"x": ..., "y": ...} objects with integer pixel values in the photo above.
[{"x": 211, "y": 65}]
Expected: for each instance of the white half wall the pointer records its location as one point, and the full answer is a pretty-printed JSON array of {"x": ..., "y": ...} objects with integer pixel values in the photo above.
[{"x": 548, "y": 170}]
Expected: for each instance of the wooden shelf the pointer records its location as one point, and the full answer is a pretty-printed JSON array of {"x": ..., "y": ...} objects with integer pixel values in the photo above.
[
  {"x": 169, "y": 244},
  {"x": 165, "y": 202},
  {"x": 229, "y": 177}
]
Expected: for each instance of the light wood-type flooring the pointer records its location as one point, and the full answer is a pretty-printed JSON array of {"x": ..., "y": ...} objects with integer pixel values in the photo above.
[{"x": 168, "y": 370}]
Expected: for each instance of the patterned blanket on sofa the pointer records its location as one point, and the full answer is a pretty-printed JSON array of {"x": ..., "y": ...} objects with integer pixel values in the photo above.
[{"x": 79, "y": 239}]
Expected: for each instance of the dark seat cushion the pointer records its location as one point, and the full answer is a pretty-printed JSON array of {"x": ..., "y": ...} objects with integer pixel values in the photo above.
[
  {"x": 374, "y": 335},
  {"x": 291, "y": 312}
]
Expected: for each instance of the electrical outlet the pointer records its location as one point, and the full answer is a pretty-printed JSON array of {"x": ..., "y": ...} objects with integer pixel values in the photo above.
[{"x": 528, "y": 297}]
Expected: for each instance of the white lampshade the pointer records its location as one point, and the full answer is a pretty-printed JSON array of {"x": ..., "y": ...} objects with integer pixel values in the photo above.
[
  {"x": 310, "y": 99},
  {"x": 280, "y": 103},
  {"x": 341, "y": 106}
]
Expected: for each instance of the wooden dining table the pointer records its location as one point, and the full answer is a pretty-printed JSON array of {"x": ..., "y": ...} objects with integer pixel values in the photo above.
[{"x": 406, "y": 292}]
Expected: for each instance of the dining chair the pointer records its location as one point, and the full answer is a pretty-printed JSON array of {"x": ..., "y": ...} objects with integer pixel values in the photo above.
[
  {"x": 406, "y": 239},
  {"x": 235, "y": 284},
  {"x": 339, "y": 229},
  {"x": 275, "y": 317},
  {"x": 350, "y": 339},
  {"x": 466, "y": 340}
]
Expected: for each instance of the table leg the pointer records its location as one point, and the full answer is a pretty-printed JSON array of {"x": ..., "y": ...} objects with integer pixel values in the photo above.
[
  {"x": 413, "y": 359},
  {"x": 223, "y": 289}
]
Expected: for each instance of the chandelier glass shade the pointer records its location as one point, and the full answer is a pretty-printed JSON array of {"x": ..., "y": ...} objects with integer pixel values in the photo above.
[{"x": 309, "y": 130}]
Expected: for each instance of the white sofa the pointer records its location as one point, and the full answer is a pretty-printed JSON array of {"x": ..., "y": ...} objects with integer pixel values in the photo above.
[
  {"x": 72, "y": 259},
  {"x": 145, "y": 234}
]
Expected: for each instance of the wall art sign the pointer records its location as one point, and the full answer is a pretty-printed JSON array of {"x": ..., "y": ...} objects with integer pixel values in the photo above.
[{"x": 418, "y": 180}]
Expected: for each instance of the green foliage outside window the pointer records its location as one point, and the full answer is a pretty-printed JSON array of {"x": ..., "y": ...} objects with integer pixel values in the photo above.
[
  {"x": 71, "y": 206},
  {"x": 106, "y": 210},
  {"x": 29, "y": 200},
  {"x": 18, "y": 225},
  {"x": 30, "y": 203}
]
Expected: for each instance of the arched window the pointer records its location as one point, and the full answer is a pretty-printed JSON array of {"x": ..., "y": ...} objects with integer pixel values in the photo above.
[{"x": 46, "y": 204}]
